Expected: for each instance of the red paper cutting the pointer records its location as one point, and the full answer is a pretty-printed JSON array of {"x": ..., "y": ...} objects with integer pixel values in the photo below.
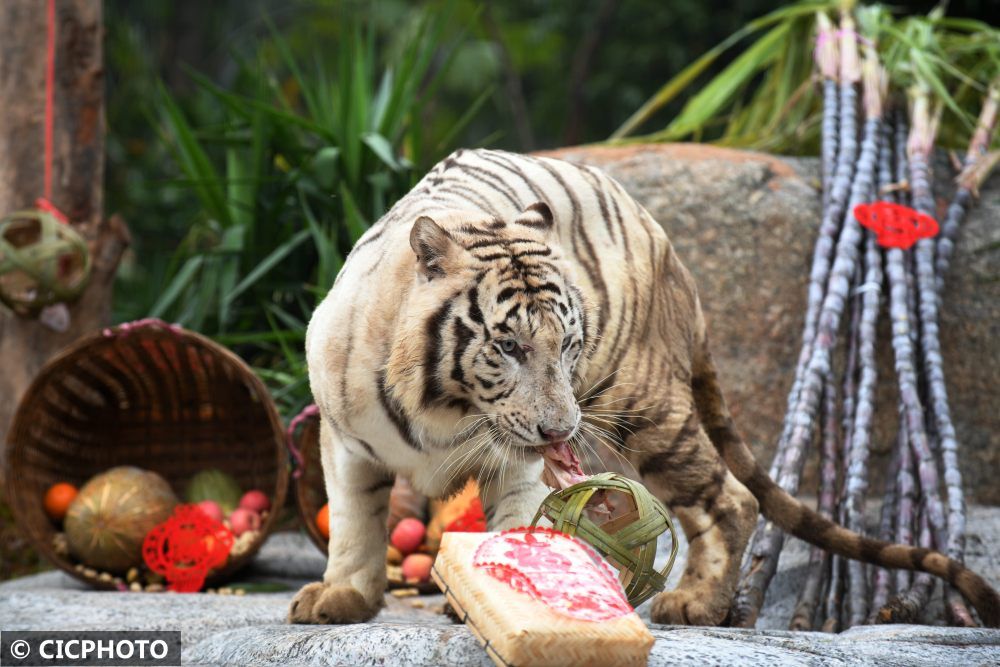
[
  {"x": 555, "y": 569},
  {"x": 186, "y": 547},
  {"x": 895, "y": 225}
]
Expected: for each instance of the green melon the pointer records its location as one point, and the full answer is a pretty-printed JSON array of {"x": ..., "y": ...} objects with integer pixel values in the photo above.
[
  {"x": 214, "y": 485},
  {"x": 108, "y": 520}
]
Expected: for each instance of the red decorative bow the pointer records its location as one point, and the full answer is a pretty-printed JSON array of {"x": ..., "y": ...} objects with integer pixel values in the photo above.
[
  {"x": 895, "y": 225},
  {"x": 186, "y": 547}
]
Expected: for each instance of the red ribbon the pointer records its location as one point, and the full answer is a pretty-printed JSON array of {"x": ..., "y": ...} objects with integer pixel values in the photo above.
[
  {"x": 895, "y": 225},
  {"x": 44, "y": 203}
]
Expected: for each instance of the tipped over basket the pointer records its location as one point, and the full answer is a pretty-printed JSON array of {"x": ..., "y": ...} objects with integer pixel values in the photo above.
[
  {"x": 310, "y": 489},
  {"x": 310, "y": 494},
  {"x": 149, "y": 395}
]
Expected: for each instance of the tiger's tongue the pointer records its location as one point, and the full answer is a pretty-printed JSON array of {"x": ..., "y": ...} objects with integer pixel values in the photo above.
[{"x": 562, "y": 467}]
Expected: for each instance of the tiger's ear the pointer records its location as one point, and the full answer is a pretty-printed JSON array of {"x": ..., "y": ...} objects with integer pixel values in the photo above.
[
  {"x": 433, "y": 246},
  {"x": 537, "y": 216}
]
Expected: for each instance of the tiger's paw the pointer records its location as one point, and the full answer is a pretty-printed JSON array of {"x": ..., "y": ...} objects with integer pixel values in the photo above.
[
  {"x": 325, "y": 604},
  {"x": 683, "y": 607}
]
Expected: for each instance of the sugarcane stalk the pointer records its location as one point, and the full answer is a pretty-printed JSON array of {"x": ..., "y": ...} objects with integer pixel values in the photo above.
[
  {"x": 857, "y": 472},
  {"x": 826, "y": 61},
  {"x": 930, "y": 286},
  {"x": 762, "y": 563},
  {"x": 902, "y": 164},
  {"x": 982, "y": 137},
  {"x": 835, "y": 595},
  {"x": 850, "y": 381},
  {"x": 882, "y": 578},
  {"x": 819, "y": 559},
  {"x": 904, "y": 337},
  {"x": 909, "y": 606},
  {"x": 919, "y": 148},
  {"x": 841, "y": 72},
  {"x": 913, "y": 436},
  {"x": 906, "y": 489},
  {"x": 856, "y": 479},
  {"x": 833, "y": 610},
  {"x": 977, "y": 165}
]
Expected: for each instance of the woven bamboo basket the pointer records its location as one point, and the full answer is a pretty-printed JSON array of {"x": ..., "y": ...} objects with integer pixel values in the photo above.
[
  {"x": 150, "y": 395},
  {"x": 310, "y": 492}
]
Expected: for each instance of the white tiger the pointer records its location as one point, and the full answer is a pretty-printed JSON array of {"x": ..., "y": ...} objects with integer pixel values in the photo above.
[{"x": 507, "y": 306}]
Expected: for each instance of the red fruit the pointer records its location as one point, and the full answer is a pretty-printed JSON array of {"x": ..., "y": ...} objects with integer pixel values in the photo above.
[
  {"x": 58, "y": 499},
  {"x": 211, "y": 509},
  {"x": 323, "y": 520},
  {"x": 243, "y": 520},
  {"x": 417, "y": 568},
  {"x": 408, "y": 535},
  {"x": 255, "y": 501}
]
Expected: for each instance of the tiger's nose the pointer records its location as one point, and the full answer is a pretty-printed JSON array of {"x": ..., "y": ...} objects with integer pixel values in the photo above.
[{"x": 554, "y": 435}]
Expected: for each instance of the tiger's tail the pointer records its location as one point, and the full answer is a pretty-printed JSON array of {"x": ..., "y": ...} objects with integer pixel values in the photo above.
[{"x": 796, "y": 518}]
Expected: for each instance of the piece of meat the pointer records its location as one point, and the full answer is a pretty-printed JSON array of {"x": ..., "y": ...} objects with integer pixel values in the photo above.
[
  {"x": 562, "y": 467},
  {"x": 563, "y": 470}
]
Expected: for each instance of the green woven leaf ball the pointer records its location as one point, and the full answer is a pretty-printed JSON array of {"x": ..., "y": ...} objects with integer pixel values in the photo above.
[
  {"x": 627, "y": 541},
  {"x": 42, "y": 262}
]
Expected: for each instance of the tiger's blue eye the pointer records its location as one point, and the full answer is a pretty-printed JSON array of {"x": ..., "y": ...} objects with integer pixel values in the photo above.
[{"x": 508, "y": 345}]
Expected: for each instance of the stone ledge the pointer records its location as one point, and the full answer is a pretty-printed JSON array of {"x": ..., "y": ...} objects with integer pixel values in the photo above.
[
  {"x": 387, "y": 643},
  {"x": 250, "y": 629}
]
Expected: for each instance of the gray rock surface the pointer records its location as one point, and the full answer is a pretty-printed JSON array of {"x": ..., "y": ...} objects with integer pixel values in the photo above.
[
  {"x": 250, "y": 629},
  {"x": 388, "y": 644},
  {"x": 745, "y": 223}
]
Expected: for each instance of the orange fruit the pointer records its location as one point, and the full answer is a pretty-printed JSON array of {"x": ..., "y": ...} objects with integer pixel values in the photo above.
[
  {"x": 58, "y": 499},
  {"x": 323, "y": 521}
]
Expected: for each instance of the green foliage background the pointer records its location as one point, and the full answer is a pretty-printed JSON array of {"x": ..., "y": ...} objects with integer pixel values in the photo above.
[{"x": 250, "y": 143}]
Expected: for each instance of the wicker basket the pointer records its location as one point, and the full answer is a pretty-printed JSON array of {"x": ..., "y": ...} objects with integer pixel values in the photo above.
[
  {"x": 150, "y": 395},
  {"x": 310, "y": 491}
]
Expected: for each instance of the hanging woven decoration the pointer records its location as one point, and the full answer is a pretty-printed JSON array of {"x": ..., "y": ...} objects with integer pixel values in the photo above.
[
  {"x": 42, "y": 261},
  {"x": 626, "y": 538}
]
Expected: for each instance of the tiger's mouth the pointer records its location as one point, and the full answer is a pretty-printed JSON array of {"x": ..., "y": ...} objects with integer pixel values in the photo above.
[{"x": 562, "y": 467}]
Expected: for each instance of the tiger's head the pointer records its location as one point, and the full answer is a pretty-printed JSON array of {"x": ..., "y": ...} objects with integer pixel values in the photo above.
[{"x": 494, "y": 327}]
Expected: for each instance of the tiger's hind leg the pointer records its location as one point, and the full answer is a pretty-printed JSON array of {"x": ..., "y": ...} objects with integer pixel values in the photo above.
[{"x": 716, "y": 512}]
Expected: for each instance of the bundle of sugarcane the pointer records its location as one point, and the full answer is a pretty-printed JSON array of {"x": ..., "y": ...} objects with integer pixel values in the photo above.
[{"x": 862, "y": 183}]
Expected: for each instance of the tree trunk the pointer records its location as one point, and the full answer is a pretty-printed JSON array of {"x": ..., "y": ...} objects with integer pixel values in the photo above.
[{"x": 77, "y": 169}]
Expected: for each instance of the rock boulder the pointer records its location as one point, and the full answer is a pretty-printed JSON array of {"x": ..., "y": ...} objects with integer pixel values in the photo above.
[{"x": 745, "y": 224}]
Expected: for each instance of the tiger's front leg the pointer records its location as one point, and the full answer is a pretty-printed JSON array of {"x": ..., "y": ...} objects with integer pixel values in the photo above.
[
  {"x": 512, "y": 499},
  {"x": 353, "y": 586}
]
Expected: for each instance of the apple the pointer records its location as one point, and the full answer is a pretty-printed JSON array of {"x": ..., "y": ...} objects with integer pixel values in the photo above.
[
  {"x": 255, "y": 501},
  {"x": 417, "y": 568},
  {"x": 408, "y": 535},
  {"x": 211, "y": 509},
  {"x": 243, "y": 520}
]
